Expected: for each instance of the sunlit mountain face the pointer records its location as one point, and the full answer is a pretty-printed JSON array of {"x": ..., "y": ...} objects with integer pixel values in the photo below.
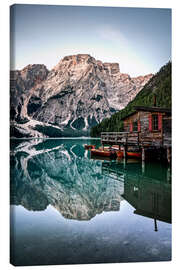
[{"x": 77, "y": 94}]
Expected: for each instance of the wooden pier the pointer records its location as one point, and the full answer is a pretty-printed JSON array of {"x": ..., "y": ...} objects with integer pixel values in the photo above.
[{"x": 148, "y": 129}]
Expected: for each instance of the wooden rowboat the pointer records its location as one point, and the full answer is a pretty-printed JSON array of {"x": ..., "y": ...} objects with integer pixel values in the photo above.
[
  {"x": 87, "y": 147},
  {"x": 120, "y": 154},
  {"x": 103, "y": 153},
  {"x": 134, "y": 154}
]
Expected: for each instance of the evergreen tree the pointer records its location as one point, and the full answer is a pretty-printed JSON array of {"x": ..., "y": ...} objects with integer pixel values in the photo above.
[{"x": 159, "y": 85}]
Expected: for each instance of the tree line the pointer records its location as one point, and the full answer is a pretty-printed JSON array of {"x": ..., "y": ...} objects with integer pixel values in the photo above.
[{"x": 159, "y": 85}]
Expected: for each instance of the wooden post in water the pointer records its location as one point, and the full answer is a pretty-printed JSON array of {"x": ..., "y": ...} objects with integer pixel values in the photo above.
[
  {"x": 124, "y": 163},
  {"x": 143, "y": 167},
  {"x": 143, "y": 154},
  {"x": 125, "y": 152},
  {"x": 169, "y": 175},
  {"x": 168, "y": 154},
  {"x": 155, "y": 225}
]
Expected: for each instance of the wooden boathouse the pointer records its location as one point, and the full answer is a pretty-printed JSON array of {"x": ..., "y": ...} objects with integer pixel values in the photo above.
[{"x": 147, "y": 129}]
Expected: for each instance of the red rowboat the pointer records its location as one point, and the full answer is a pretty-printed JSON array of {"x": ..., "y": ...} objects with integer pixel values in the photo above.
[
  {"x": 120, "y": 154},
  {"x": 103, "y": 153},
  {"x": 87, "y": 147},
  {"x": 134, "y": 154}
]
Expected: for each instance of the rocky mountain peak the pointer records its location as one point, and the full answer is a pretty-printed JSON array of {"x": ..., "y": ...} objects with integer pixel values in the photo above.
[
  {"x": 34, "y": 71},
  {"x": 112, "y": 67},
  {"x": 74, "y": 60},
  {"x": 76, "y": 94},
  {"x": 78, "y": 58}
]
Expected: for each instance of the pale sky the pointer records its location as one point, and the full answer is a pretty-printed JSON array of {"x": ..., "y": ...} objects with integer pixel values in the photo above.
[{"x": 139, "y": 39}]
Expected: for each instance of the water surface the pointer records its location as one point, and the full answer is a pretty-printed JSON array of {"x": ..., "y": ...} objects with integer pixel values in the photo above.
[{"x": 68, "y": 208}]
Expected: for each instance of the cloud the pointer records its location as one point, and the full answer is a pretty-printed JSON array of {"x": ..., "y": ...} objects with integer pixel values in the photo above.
[
  {"x": 109, "y": 33},
  {"x": 115, "y": 47}
]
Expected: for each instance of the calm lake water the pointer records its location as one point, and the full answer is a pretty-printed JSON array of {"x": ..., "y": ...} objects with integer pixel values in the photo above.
[{"x": 67, "y": 208}]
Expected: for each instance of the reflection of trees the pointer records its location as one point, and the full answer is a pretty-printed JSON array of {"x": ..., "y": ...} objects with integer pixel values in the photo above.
[
  {"x": 147, "y": 189},
  {"x": 59, "y": 174}
]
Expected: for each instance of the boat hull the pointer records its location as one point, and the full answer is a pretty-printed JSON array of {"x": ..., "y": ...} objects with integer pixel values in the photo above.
[
  {"x": 120, "y": 154},
  {"x": 134, "y": 154},
  {"x": 87, "y": 147},
  {"x": 103, "y": 153}
]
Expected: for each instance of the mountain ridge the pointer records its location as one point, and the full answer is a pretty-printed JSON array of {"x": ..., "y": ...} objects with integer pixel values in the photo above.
[
  {"x": 78, "y": 93},
  {"x": 159, "y": 85}
]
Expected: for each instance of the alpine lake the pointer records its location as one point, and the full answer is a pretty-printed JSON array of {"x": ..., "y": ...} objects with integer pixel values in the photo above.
[{"x": 69, "y": 208}]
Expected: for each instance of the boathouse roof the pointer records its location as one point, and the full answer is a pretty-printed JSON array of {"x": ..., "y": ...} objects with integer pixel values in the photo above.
[{"x": 148, "y": 109}]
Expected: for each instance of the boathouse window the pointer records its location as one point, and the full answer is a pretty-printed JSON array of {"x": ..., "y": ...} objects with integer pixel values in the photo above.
[
  {"x": 135, "y": 126},
  {"x": 155, "y": 121}
]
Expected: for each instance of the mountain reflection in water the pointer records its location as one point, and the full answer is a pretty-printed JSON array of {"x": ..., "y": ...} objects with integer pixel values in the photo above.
[
  {"x": 48, "y": 172},
  {"x": 67, "y": 208},
  {"x": 61, "y": 176}
]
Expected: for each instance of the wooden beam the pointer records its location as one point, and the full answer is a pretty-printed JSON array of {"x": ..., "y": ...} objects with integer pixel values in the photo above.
[
  {"x": 155, "y": 225},
  {"x": 125, "y": 151},
  {"x": 168, "y": 154},
  {"x": 143, "y": 154},
  {"x": 143, "y": 167}
]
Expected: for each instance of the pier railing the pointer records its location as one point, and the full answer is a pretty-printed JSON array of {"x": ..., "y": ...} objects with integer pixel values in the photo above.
[
  {"x": 135, "y": 139},
  {"x": 130, "y": 138}
]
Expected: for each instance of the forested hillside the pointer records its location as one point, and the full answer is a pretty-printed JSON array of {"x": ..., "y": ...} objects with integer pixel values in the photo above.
[{"x": 159, "y": 85}]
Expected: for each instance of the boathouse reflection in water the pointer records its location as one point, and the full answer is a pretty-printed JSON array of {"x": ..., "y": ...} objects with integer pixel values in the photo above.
[
  {"x": 80, "y": 188},
  {"x": 67, "y": 208},
  {"x": 147, "y": 190}
]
